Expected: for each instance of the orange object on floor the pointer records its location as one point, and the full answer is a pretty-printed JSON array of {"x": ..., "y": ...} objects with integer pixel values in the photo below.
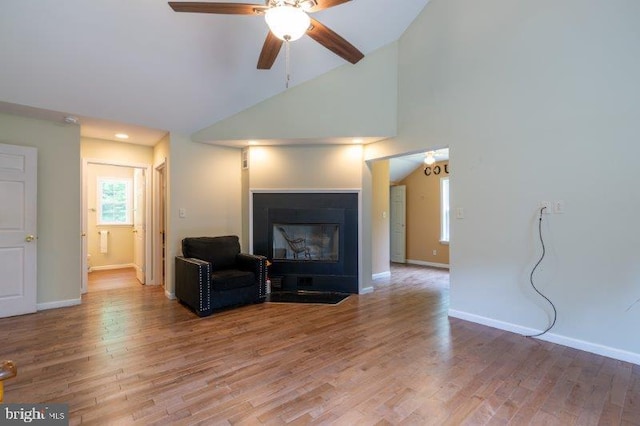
[{"x": 7, "y": 370}]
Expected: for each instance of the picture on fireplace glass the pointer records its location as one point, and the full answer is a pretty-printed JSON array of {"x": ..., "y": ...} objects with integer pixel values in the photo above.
[{"x": 306, "y": 241}]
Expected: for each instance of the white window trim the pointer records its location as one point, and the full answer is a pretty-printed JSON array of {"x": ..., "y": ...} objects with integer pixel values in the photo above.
[
  {"x": 445, "y": 215},
  {"x": 129, "y": 207}
]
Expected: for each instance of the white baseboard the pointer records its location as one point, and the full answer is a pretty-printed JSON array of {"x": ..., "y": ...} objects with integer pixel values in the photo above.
[
  {"x": 582, "y": 345},
  {"x": 108, "y": 267},
  {"x": 377, "y": 276},
  {"x": 432, "y": 264},
  {"x": 169, "y": 295},
  {"x": 366, "y": 290},
  {"x": 57, "y": 304}
]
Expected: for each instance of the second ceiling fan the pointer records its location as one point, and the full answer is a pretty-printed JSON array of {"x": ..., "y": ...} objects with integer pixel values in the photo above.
[{"x": 288, "y": 20}]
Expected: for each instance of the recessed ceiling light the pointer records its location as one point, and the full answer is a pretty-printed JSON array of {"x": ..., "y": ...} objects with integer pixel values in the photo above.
[
  {"x": 122, "y": 136},
  {"x": 253, "y": 142},
  {"x": 357, "y": 140}
]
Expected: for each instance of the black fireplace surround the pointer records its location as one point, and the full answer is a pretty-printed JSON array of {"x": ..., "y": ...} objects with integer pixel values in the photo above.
[{"x": 310, "y": 238}]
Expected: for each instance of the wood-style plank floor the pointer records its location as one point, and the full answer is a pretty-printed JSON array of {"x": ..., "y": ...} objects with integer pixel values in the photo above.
[{"x": 129, "y": 355}]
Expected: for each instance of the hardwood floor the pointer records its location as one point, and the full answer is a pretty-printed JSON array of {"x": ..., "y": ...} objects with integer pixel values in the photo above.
[
  {"x": 112, "y": 279},
  {"x": 129, "y": 355}
]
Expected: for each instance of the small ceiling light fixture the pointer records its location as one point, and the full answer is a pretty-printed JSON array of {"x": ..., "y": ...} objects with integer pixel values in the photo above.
[
  {"x": 287, "y": 22},
  {"x": 429, "y": 159},
  {"x": 70, "y": 119},
  {"x": 357, "y": 140},
  {"x": 122, "y": 136}
]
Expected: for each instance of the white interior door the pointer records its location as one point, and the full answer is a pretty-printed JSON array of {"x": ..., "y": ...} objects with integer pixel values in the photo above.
[
  {"x": 398, "y": 223},
  {"x": 18, "y": 243},
  {"x": 139, "y": 214}
]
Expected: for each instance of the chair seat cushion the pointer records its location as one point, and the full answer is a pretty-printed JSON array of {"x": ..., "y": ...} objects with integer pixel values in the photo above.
[{"x": 231, "y": 278}]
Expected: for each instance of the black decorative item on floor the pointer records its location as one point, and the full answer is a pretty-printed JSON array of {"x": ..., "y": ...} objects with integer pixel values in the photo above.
[{"x": 313, "y": 297}]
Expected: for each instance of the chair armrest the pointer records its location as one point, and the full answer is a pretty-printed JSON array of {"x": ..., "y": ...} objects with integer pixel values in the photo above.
[
  {"x": 193, "y": 284},
  {"x": 258, "y": 265}
]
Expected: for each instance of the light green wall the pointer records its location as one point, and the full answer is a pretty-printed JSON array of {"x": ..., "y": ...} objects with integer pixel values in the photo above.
[
  {"x": 59, "y": 244},
  {"x": 205, "y": 181},
  {"x": 531, "y": 96},
  {"x": 350, "y": 101},
  {"x": 320, "y": 166},
  {"x": 161, "y": 151},
  {"x": 366, "y": 227},
  {"x": 380, "y": 222},
  {"x": 245, "y": 182},
  {"x": 118, "y": 152}
]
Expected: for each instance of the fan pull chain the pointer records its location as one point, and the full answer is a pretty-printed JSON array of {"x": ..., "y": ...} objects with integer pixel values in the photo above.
[{"x": 288, "y": 61}]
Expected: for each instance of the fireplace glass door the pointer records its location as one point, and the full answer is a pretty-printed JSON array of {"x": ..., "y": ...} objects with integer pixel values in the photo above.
[{"x": 306, "y": 242}]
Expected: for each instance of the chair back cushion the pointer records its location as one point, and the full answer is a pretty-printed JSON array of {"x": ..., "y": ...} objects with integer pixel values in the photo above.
[{"x": 220, "y": 251}]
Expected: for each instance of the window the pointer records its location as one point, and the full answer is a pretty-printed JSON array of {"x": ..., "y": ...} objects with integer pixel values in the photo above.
[
  {"x": 444, "y": 210},
  {"x": 114, "y": 201}
]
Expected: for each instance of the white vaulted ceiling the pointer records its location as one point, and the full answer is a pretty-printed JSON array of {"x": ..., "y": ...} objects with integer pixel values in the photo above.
[{"x": 139, "y": 63}]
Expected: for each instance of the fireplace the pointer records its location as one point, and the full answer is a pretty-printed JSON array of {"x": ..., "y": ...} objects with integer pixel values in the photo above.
[{"x": 310, "y": 238}]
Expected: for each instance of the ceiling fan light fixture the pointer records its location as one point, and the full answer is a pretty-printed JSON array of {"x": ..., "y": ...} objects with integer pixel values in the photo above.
[
  {"x": 287, "y": 22},
  {"x": 430, "y": 158}
]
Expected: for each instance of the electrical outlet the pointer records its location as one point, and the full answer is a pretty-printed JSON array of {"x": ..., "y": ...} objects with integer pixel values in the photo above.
[
  {"x": 182, "y": 213},
  {"x": 435, "y": 252},
  {"x": 546, "y": 205}
]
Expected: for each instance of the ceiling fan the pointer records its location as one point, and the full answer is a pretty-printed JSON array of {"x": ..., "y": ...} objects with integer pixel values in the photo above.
[{"x": 287, "y": 19}]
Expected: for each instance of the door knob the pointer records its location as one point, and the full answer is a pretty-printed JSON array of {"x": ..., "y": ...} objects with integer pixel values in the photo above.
[{"x": 30, "y": 238}]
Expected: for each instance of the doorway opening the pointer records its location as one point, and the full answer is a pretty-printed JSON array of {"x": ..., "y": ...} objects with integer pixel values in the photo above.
[
  {"x": 419, "y": 208},
  {"x": 408, "y": 204},
  {"x": 116, "y": 212}
]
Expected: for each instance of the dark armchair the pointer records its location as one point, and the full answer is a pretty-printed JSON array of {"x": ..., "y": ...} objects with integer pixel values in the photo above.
[{"x": 212, "y": 274}]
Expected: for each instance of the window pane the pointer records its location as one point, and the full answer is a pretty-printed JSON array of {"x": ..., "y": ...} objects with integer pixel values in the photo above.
[
  {"x": 444, "y": 206},
  {"x": 114, "y": 201},
  {"x": 107, "y": 213}
]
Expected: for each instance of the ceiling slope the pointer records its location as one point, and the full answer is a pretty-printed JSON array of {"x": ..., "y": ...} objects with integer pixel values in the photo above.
[
  {"x": 139, "y": 62},
  {"x": 348, "y": 102}
]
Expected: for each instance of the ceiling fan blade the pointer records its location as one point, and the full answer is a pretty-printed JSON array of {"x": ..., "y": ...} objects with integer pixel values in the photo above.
[
  {"x": 269, "y": 53},
  {"x": 221, "y": 8},
  {"x": 332, "y": 41},
  {"x": 325, "y": 4}
]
